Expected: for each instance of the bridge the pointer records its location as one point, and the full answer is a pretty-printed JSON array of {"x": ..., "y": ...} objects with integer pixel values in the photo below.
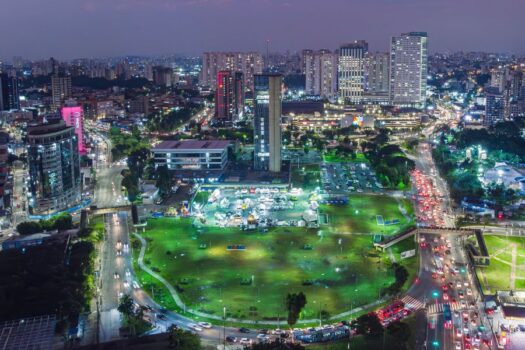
[{"x": 390, "y": 241}]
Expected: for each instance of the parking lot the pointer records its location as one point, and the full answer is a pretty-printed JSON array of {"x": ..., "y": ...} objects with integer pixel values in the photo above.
[
  {"x": 261, "y": 207},
  {"x": 349, "y": 178}
]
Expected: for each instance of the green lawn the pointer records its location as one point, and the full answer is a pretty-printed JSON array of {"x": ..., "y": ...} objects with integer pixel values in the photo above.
[
  {"x": 330, "y": 157},
  {"x": 497, "y": 274},
  {"x": 306, "y": 176},
  {"x": 338, "y": 273},
  {"x": 359, "y": 215}
]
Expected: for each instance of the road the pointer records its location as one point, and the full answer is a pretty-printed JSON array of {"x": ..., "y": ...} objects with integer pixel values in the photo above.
[{"x": 108, "y": 191}]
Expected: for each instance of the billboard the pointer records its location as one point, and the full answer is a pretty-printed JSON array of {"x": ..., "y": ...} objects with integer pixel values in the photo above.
[{"x": 74, "y": 116}]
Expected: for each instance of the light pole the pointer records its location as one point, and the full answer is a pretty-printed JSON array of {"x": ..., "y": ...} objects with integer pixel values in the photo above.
[{"x": 224, "y": 326}]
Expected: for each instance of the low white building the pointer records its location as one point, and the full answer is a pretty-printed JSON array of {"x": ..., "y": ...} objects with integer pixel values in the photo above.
[{"x": 192, "y": 154}]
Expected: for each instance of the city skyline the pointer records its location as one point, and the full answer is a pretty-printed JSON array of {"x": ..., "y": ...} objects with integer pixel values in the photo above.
[{"x": 161, "y": 27}]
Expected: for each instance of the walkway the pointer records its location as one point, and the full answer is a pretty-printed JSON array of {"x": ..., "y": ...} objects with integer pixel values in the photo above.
[{"x": 182, "y": 306}]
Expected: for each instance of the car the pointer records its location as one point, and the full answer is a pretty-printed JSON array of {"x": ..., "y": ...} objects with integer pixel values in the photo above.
[
  {"x": 163, "y": 318},
  {"x": 261, "y": 336},
  {"x": 461, "y": 294},
  {"x": 469, "y": 291},
  {"x": 245, "y": 341},
  {"x": 458, "y": 332},
  {"x": 135, "y": 284},
  {"x": 521, "y": 327},
  {"x": 458, "y": 345},
  {"x": 206, "y": 325},
  {"x": 244, "y": 330},
  {"x": 445, "y": 297},
  {"x": 125, "y": 284},
  {"x": 195, "y": 327},
  {"x": 231, "y": 339},
  {"x": 116, "y": 275},
  {"x": 119, "y": 252},
  {"x": 463, "y": 304},
  {"x": 128, "y": 273}
]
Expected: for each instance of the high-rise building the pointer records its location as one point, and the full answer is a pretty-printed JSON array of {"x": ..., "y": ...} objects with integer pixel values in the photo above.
[
  {"x": 162, "y": 76},
  {"x": 229, "y": 96},
  {"x": 377, "y": 72},
  {"x": 498, "y": 78},
  {"x": 5, "y": 198},
  {"x": 54, "y": 167},
  {"x": 73, "y": 115},
  {"x": 408, "y": 69},
  {"x": 249, "y": 63},
  {"x": 351, "y": 71},
  {"x": 494, "y": 106},
  {"x": 60, "y": 90},
  {"x": 9, "y": 97},
  {"x": 267, "y": 122},
  {"x": 320, "y": 73}
]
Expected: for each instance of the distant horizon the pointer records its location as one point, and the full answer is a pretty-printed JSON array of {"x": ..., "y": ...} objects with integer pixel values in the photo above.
[
  {"x": 9, "y": 60},
  {"x": 68, "y": 29}
]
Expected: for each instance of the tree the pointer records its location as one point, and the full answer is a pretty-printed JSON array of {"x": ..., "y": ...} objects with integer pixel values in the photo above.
[
  {"x": 294, "y": 304},
  {"x": 180, "y": 339},
  {"x": 130, "y": 182},
  {"x": 126, "y": 306},
  {"x": 28, "y": 227},
  {"x": 399, "y": 331},
  {"x": 63, "y": 222},
  {"x": 163, "y": 180},
  {"x": 137, "y": 161},
  {"x": 368, "y": 325}
]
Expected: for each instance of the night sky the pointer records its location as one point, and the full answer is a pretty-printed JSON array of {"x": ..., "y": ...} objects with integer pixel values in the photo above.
[{"x": 101, "y": 28}]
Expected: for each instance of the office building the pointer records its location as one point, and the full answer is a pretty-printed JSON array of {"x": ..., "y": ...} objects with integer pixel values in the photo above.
[
  {"x": 377, "y": 72},
  {"x": 5, "y": 185},
  {"x": 54, "y": 168},
  {"x": 73, "y": 115},
  {"x": 267, "y": 122},
  {"x": 494, "y": 106},
  {"x": 351, "y": 71},
  {"x": 163, "y": 76},
  {"x": 249, "y": 63},
  {"x": 192, "y": 154},
  {"x": 408, "y": 69},
  {"x": 9, "y": 97},
  {"x": 320, "y": 73},
  {"x": 60, "y": 90},
  {"x": 229, "y": 97}
]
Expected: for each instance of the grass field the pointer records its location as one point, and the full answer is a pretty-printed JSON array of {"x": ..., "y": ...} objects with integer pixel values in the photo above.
[
  {"x": 359, "y": 215},
  {"x": 497, "y": 276},
  {"x": 332, "y": 158},
  {"x": 338, "y": 272}
]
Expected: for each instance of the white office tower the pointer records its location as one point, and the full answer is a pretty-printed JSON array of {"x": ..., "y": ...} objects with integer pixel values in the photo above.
[
  {"x": 408, "y": 69},
  {"x": 351, "y": 71}
]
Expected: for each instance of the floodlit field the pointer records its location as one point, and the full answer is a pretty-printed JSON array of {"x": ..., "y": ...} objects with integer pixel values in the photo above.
[
  {"x": 335, "y": 271},
  {"x": 507, "y": 264},
  {"x": 360, "y": 215}
]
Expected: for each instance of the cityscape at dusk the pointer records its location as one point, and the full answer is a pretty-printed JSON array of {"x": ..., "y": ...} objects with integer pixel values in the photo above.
[{"x": 241, "y": 174}]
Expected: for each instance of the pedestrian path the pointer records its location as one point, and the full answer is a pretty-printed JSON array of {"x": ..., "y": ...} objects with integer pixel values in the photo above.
[
  {"x": 438, "y": 308},
  {"x": 412, "y": 303}
]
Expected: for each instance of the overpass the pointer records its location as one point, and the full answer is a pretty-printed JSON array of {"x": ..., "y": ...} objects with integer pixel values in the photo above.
[{"x": 390, "y": 241}]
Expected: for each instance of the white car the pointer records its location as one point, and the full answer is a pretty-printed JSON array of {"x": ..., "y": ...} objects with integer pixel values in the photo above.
[
  {"x": 128, "y": 273},
  {"x": 245, "y": 341},
  {"x": 206, "y": 325},
  {"x": 126, "y": 248},
  {"x": 458, "y": 345},
  {"x": 195, "y": 327},
  {"x": 469, "y": 291},
  {"x": 135, "y": 285},
  {"x": 116, "y": 276}
]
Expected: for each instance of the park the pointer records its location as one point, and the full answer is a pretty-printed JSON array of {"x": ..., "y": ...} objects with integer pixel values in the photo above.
[{"x": 249, "y": 273}]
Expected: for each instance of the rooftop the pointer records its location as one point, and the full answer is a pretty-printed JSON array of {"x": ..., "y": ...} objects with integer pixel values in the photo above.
[
  {"x": 30, "y": 333},
  {"x": 192, "y": 144}
]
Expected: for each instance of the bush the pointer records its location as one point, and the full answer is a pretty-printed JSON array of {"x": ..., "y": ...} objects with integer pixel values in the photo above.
[{"x": 29, "y": 228}]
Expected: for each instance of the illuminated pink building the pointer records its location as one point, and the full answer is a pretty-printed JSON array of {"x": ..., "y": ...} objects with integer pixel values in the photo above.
[{"x": 74, "y": 116}]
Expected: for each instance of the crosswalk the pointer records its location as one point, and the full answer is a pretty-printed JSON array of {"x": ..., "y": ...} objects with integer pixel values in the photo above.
[
  {"x": 412, "y": 303},
  {"x": 432, "y": 308},
  {"x": 438, "y": 308}
]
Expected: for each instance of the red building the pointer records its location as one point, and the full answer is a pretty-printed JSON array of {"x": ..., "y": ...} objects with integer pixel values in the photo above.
[{"x": 229, "y": 97}]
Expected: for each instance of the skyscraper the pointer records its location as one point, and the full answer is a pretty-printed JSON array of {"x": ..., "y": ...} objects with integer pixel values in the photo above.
[
  {"x": 54, "y": 167},
  {"x": 73, "y": 115},
  {"x": 267, "y": 122},
  {"x": 249, "y": 63},
  {"x": 408, "y": 69},
  {"x": 320, "y": 73},
  {"x": 494, "y": 106},
  {"x": 377, "y": 72},
  {"x": 9, "y": 97},
  {"x": 351, "y": 72},
  {"x": 229, "y": 96},
  {"x": 60, "y": 90}
]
